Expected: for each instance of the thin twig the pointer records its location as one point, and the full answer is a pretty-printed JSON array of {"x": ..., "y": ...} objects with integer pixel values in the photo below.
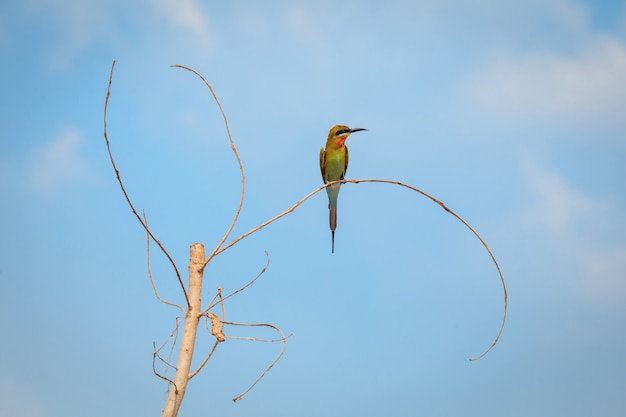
[
  {"x": 234, "y": 149},
  {"x": 173, "y": 337},
  {"x": 194, "y": 373},
  {"x": 278, "y": 216},
  {"x": 211, "y": 304},
  {"x": 217, "y": 294},
  {"x": 282, "y": 338},
  {"x": 493, "y": 258},
  {"x": 119, "y": 180},
  {"x": 217, "y": 329},
  {"x": 217, "y": 326},
  {"x": 156, "y": 293},
  {"x": 156, "y": 355},
  {"x": 440, "y": 203},
  {"x": 220, "y": 328},
  {"x": 258, "y": 339}
]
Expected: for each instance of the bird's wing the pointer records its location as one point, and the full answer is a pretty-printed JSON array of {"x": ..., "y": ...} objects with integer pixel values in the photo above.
[
  {"x": 323, "y": 163},
  {"x": 345, "y": 168}
]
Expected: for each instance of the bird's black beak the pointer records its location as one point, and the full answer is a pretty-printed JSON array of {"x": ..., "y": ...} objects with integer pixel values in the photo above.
[{"x": 358, "y": 129}]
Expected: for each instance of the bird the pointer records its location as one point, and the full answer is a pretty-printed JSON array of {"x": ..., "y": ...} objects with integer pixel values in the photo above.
[{"x": 333, "y": 165}]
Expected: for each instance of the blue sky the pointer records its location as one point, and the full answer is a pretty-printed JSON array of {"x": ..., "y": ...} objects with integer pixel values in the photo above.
[{"x": 512, "y": 113}]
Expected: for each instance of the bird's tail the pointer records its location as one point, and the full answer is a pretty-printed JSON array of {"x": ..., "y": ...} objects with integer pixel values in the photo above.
[
  {"x": 333, "y": 224},
  {"x": 333, "y": 193}
]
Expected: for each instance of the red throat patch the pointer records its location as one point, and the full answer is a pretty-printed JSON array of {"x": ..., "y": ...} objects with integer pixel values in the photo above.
[{"x": 341, "y": 141}]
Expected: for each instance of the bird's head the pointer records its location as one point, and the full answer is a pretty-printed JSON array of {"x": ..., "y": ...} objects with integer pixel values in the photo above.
[{"x": 339, "y": 133}]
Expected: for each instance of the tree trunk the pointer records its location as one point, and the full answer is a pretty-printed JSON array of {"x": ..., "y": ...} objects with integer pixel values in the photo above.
[{"x": 192, "y": 318}]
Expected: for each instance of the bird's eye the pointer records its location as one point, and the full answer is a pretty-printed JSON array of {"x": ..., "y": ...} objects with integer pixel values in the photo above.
[{"x": 342, "y": 132}]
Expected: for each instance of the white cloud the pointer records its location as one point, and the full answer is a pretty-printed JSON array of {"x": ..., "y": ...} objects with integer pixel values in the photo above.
[
  {"x": 187, "y": 15},
  {"x": 576, "y": 236},
  {"x": 59, "y": 163},
  {"x": 569, "y": 76},
  {"x": 605, "y": 270},
  {"x": 557, "y": 208},
  {"x": 589, "y": 86},
  {"x": 298, "y": 20},
  {"x": 79, "y": 24}
]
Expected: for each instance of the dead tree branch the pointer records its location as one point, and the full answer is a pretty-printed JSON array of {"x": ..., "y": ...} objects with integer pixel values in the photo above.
[
  {"x": 222, "y": 299},
  {"x": 156, "y": 293},
  {"x": 410, "y": 187},
  {"x": 119, "y": 180},
  {"x": 190, "y": 328},
  {"x": 234, "y": 149},
  {"x": 206, "y": 359},
  {"x": 282, "y": 339},
  {"x": 199, "y": 259}
]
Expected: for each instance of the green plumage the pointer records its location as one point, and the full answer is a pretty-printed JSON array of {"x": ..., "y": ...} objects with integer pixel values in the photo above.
[{"x": 333, "y": 165}]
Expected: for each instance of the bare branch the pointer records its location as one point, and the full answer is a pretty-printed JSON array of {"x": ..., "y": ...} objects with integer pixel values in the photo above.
[
  {"x": 217, "y": 330},
  {"x": 440, "y": 203},
  {"x": 282, "y": 338},
  {"x": 194, "y": 373},
  {"x": 156, "y": 293},
  {"x": 214, "y": 317},
  {"x": 258, "y": 339},
  {"x": 211, "y": 304},
  {"x": 156, "y": 355},
  {"x": 173, "y": 337},
  {"x": 278, "y": 216},
  {"x": 493, "y": 258},
  {"x": 193, "y": 299},
  {"x": 218, "y": 294},
  {"x": 190, "y": 328},
  {"x": 234, "y": 149},
  {"x": 119, "y": 180}
]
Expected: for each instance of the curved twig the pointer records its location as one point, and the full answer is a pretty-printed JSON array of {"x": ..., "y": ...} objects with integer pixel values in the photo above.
[
  {"x": 482, "y": 241},
  {"x": 221, "y": 247},
  {"x": 282, "y": 338},
  {"x": 217, "y": 330},
  {"x": 194, "y": 373},
  {"x": 221, "y": 299},
  {"x": 119, "y": 180},
  {"x": 156, "y": 355},
  {"x": 156, "y": 293},
  {"x": 173, "y": 337},
  {"x": 234, "y": 149},
  {"x": 278, "y": 216},
  {"x": 410, "y": 187}
]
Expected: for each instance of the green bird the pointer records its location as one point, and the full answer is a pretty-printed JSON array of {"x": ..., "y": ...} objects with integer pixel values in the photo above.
[{"x": 333, "y": 164}]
